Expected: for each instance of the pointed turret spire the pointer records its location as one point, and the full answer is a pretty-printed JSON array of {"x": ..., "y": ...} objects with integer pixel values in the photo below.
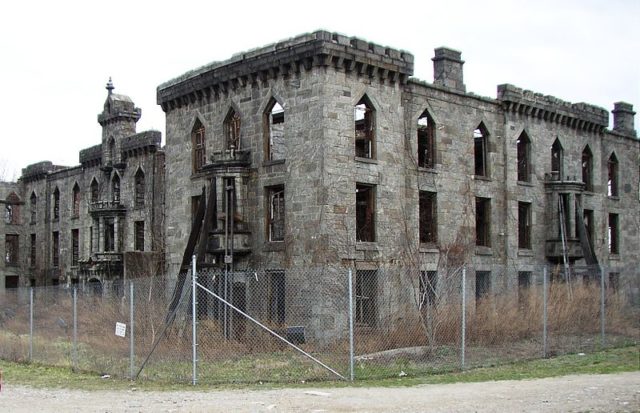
[{"x": 109, "y": 86}]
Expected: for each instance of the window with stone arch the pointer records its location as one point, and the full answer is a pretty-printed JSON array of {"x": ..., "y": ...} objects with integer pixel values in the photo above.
[
  {"x": 12, "y": 209},
  {"x": 426, "y": 141},
  {"x": 33, "y": 204},
  {"x": 95, "y": 191},
  {"x": 364, "y": 119},
  {"x": 115, "y": 189},
  {"x": 557, "y": 161},
  {"x": 56, "y": 204},
  {"x": 524, "y": 157},
  {"x": 198, "y": 143},
  {"x": 232, "y": 130},
  {"x": 274, "y": 121},
  {"x": 480, "y": 150},
  {"x": 75, "y": 196},
  {"x": 587, "y": 168},
  {"x": 139, "y": 189},
  {"x": 612, "y": 175}
]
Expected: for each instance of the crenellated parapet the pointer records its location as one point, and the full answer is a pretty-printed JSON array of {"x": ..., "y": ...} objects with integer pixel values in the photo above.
[
  {"x": 91, "y": 156},
  {"x": 284, "y": 59},
  {"x": 580, "y": 116},
  {"x": 140, "y": 143}
]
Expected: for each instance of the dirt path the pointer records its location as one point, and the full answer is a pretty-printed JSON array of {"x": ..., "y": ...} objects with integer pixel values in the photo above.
[{"x": 593, "y": 393}]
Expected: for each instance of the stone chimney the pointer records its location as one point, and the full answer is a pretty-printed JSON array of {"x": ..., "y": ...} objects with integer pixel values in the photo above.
[
  {"x": 447, "y": 69},
  {"x": 623, "y": 118}
]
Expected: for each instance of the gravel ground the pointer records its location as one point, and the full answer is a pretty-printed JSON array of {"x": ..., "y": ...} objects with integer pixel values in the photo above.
[{"x": 579, "y": 393}]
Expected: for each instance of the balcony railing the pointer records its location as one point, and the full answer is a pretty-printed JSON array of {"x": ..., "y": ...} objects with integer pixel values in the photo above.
[{"x": 106, "y": 206}]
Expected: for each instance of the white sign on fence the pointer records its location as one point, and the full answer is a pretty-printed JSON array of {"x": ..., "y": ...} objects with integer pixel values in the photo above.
[{"x": 121, "y": 329}]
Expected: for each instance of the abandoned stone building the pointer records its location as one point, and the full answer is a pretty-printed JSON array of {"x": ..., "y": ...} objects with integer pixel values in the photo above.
[
  {"x": 329, "y": 154},
  {"x": 86, "y": 224}
]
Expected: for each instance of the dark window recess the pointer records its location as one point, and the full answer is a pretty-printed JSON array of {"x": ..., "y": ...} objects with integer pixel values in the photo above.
[
  {"x": 139, "y": 236},
  {"x": 524, "y": 158},
  {"x": 139, "y": 189},
  {"x": 34, "y": 208},
  {"x": 364, "y": 121},
  {"x": 483, "y": 222},
  {"x": 483, "y": 284},
  {"x": 587, "y": 169},
  {"x": 524, "y": 282},
  {"x": 11, "y": 281},
  {"x": 274, "y": 131},
  {"x": 589, "y": 225},
  {"x": 55, "y": 249},
  {"x": 195, "y": 204},
  {"x": 75, "y": 246},
  {"x": 115, "y": 189},
  {"x": 524, "y": 225},
  {"x": 109, "y": 234},
  {"x": 426, "y": 141},
  {"x": 277, "y": 309},
  {"x": 232, "y": 130},
  {"x": 428, "y": 219},
  {"x": 557, "y": 160},
  {"x": 612, "y": 175},
  {"x": 95, "y": 191},
  {"x": 198, "y": 143},
  {"x": 614, "y": 247},
  {"x": 366, "y": 297},
  {"x": 365, "y": 213},
  {"x": 56, "y": 204},
  {"x": 480, "y": 142},
  {"x": 428, "y": 288},
  {"x": 32, "y": 250},
  {"x": 11, "y": 249},
  {"x": 276, "y": 213},
  {"x": 76, "y": 201}
]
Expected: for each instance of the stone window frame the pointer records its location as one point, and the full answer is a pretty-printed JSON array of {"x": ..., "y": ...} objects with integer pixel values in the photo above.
[
  {"x": 12, "y": 250},
  {"x": 365, "y": 297},
  {"x": 613, "y": 178},
  {"x": 75, "y": 201},
  {"x": 523, "y": 150},
  {"x": 428, "y": 217},
  {"x": 232, "y": 130},
  {"x": 613, "y": 236},
  {"x": 138, "y": 236},
  {"x": 277, "y": 296},
  {"x": 557, "y": 160},
  {"x": 365, "y": 212},
  {"x": 116, "y": 188},
  {"x": 33, "y": 205},
  {"x": 524, "y": 225},
  {"x": 481, "y": 151},
  {"x": 274, "y": 114},
  {"x": 198, "y": 146},
  {"x": 56, "y": 204},
  {"x": 364, "y": 125},
  {"x": 586, "y": 163},
  {"x": 12, "y": 209},
  {"x": 275, "y": 213},
  {"x": 483, "y": 221},
  {"x": 33, "y": 250},
  {"x": 139, "y": 188},
  {"x": 55, "y": 249},
  {"x": 95, "y": 190},
  {"x": 426, "y": 138},
  {"x": 428, "y": 288},
  {"x": 75, "y": 247},
  {"x": 482, "y": 285}
]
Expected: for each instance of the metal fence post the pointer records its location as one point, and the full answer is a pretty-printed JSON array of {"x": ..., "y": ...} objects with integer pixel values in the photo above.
[
  {"x": 30, "y": 324},
  {"x": 193, "y": 319},
  {"x": 544, "y": 312},
  {"x": 351, "y": 346},
  {"x": 75, "y": 328},
  {"x": 464, "y": 316},
  {"x": 131, "y": 352},
  {"x": 602, "y": 309}
]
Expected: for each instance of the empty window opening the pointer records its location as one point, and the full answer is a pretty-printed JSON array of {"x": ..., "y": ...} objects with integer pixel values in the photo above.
[
  {"x": 139, "y": 236},
  {"x": 76, "y": 201},
  {"x": 11, "y": 249},
  {"x": 524, "y": 157},
  {"x": 95, "y": 191},
  {"x": 587, "y": 169},
  {"x": 428, "y": 288},
  {"x": 524, "y": 282},
  {"x": 11, "y": 281},
  {"x": 274, "y": 129},
  {"x": 277, "y": 313},
  {"x": 32, "y": 251},
  {"x": 75, "y": 246},
  {"x": 12, "y": 209},
  {"x": 56, "y": 204},
  {"x": 614, "y": 247},
  {"x": 55, "y": 249},
  {"x": 198, "y": 143},
  {"x": 365, "y": 213},
  {"x": 589, "y": 224},
  {"x": 109, "y": 234},
  {"x": 480, "y": 142},
  {"x": 139, "y": 189},
  {"x": 426, "y": 141},
  {"x": 232, "y": 130},
  {"x": 33, "y": 203},
  {"x": 612, "y": 175},
  {"x": 483, "y": 222},
  {"x": 276, "y": 213},
  {"x": 90, "y": 239},
  {"x": 557, "y": 161},
  {"x": 428, "y": 219},
  {"x": 564, "y": 213},
  {"x": 366, "y": 297},
  {"x": 115, "y": 189},
  {"x": 524, "y": 225},
  {"x": 483, "y": 285},
  {"x": 364, "y": 120},
  {"x": 614, "y": 281}
]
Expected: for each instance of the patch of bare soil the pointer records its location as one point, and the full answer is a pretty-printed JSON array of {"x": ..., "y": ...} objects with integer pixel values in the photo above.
[{"x": 579, "y": 393}]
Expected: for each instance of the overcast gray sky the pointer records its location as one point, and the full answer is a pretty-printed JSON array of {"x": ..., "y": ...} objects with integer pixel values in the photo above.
[{"x": 58, "y": 55}]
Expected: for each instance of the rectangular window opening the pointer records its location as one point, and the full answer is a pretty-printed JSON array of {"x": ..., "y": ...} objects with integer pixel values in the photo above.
[
  {"x": 366, "y": 297},
  {"x": 428, "y": 217},
  {"x": 365, "y": 213},
  {"x": 483, "y": 222}
]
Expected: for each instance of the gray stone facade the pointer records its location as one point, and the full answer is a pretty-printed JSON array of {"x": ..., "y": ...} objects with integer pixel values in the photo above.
[
  {"x": 493, "y": 155},
  {"x": 76, "y": 223}
]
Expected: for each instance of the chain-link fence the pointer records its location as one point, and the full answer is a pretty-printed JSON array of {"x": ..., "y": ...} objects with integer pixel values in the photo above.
[{"x": 316, "y": 323}]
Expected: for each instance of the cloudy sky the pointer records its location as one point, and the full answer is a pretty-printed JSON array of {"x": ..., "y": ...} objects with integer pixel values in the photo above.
[{"x": 56, "y": 56}]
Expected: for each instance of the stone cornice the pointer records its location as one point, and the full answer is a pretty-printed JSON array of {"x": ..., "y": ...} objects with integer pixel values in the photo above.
[
  {"x": 282, "y": 59},
  {"x": 581, "y": 116}
]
